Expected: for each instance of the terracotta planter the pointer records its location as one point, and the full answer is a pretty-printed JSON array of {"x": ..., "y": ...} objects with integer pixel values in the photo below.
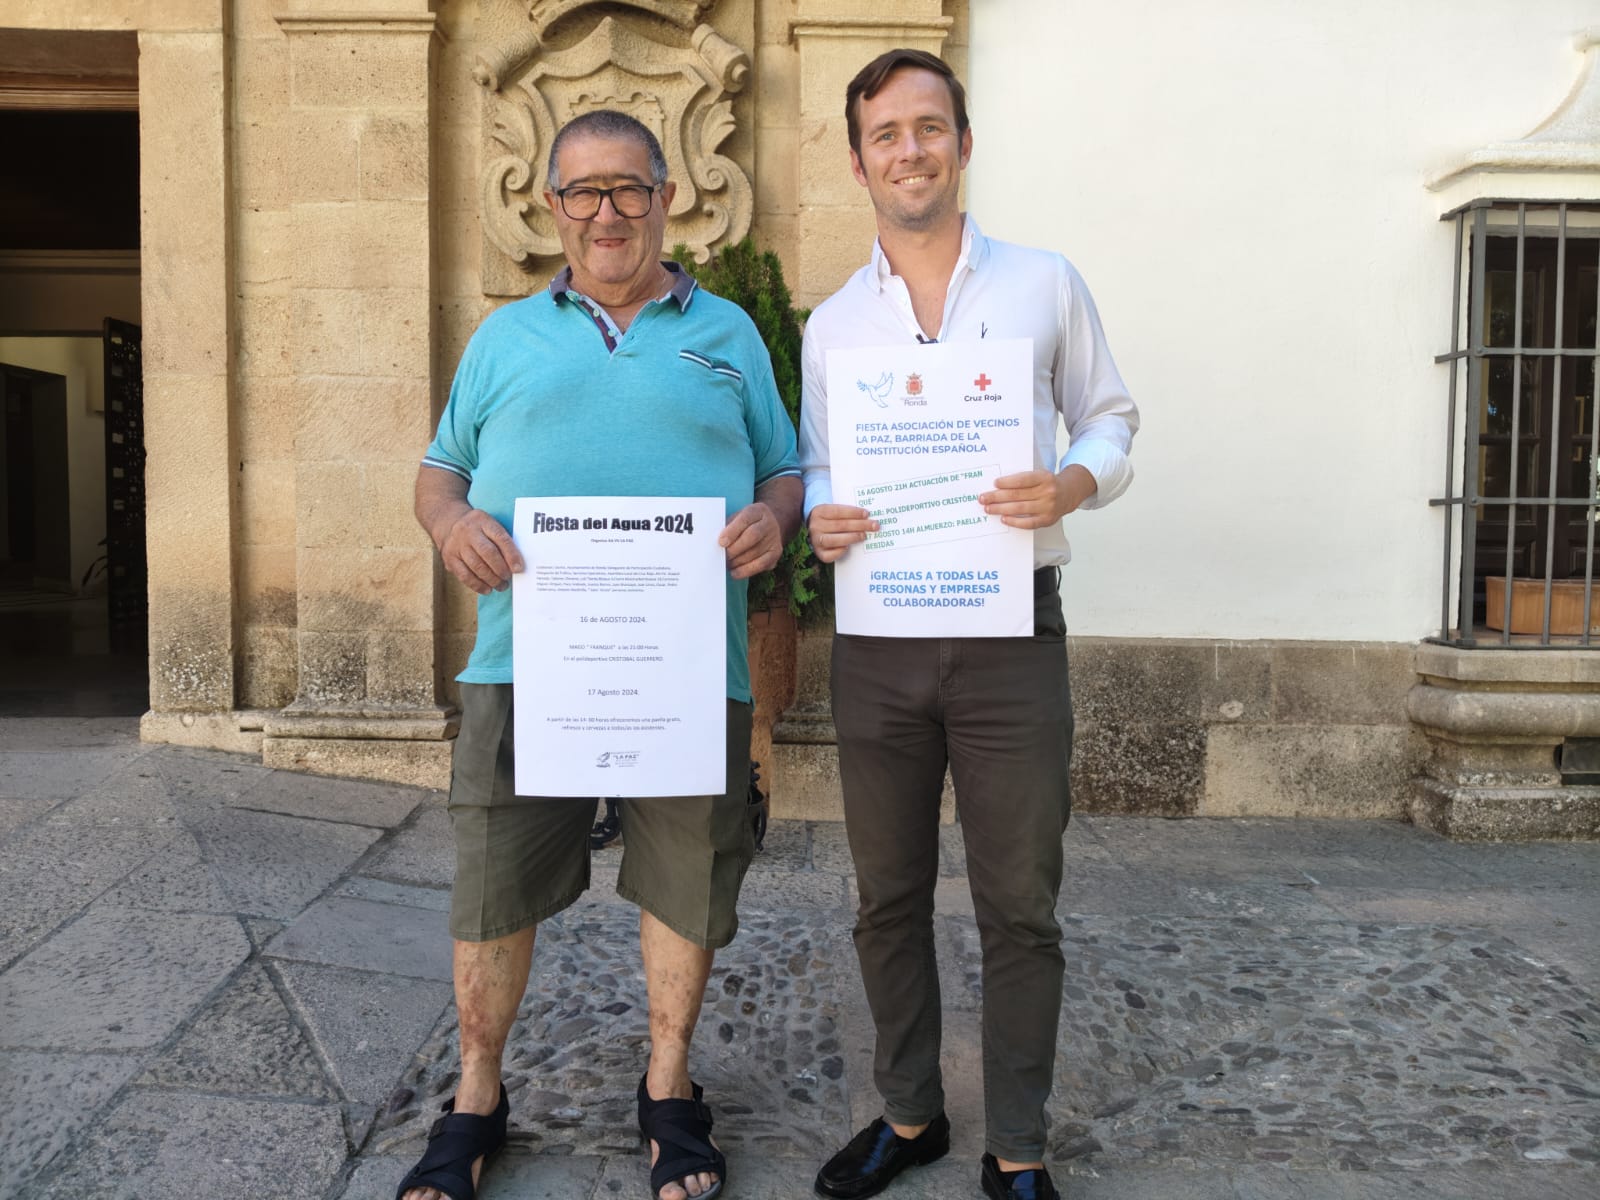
[
  {"x": 1527, "y": 605},
  {"x": 772, "y": 668}
]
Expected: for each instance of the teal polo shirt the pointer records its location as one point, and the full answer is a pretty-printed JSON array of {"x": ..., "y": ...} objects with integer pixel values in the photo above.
[{"x": 550, "y": 401}]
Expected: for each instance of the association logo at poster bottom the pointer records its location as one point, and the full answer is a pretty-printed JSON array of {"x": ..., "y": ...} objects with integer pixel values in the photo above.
[{"x": 617, "y": 758}]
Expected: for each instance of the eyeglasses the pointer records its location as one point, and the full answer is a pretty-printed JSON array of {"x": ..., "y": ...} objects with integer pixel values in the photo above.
[{"x": 583, "y": 203}]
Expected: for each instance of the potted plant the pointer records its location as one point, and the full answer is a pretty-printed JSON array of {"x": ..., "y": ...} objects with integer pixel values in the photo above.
[{"x": 798, "y": 591}]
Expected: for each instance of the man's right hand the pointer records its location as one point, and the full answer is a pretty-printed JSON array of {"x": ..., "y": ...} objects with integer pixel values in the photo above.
[
  {"x": 834, "y": 528},
  {"x": 478, "y": 551}
]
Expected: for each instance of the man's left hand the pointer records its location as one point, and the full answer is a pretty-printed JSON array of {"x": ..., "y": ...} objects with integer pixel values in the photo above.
[
  {"x": 1034, "y": 499},
  {"x": 753, "y": 539}
]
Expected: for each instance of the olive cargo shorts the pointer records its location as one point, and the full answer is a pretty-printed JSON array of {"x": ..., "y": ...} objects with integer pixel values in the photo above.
[{"x": 522, "y": 859}]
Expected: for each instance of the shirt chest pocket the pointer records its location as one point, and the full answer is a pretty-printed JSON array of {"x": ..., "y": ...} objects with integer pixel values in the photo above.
[
  {"x": 715, "y": 387},
  {"x": 708, "y": 368}
]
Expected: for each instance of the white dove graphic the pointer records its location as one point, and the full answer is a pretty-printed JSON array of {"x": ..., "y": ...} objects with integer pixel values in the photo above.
[{"x": 878, "y": 390}]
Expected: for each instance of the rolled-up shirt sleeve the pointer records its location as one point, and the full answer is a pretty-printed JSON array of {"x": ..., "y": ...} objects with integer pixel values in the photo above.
[
  {"x": 1100, "y": 416},
  {"x": 814, "y": 461}
]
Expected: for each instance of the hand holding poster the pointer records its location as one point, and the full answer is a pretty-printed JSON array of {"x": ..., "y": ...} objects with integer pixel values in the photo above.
[
  {"x": 915, "y": 434},
  {"x": 618, "y": 646}
]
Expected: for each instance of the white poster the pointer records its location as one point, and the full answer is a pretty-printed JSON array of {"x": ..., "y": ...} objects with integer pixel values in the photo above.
[
  {"x": 915, "y": 434},
  {"x": 619, "y": 646}
]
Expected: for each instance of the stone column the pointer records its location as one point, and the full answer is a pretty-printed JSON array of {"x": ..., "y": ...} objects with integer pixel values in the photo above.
[
  {"x": 836, "y": 228},
  {"x": 187, "y": 320},
  {"x": 362, "y": 356}
]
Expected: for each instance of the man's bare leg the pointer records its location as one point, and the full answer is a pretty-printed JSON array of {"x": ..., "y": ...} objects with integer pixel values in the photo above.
[
  {"x": 490, "y": 978},
  {"x": 675, "y": 973}
]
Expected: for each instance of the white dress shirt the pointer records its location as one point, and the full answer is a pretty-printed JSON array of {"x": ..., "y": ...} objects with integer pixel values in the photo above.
[{"x": 997, "y": 290}]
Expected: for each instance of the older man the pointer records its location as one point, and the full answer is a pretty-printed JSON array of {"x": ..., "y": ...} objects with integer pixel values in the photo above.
[
  {"x": 620, "y": 379},
  {"x": 996, "y": 709}
]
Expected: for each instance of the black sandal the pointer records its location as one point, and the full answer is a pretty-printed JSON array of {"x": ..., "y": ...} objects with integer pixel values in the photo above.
[
  {"x": 682, "y": 1129},
  {"x": 454, "y": 1143}
]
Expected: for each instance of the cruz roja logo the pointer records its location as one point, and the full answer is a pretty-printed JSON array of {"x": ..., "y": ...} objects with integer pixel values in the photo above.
[
  {"x": 878, "y": 391},
  {"x": 617, "y": 758}
]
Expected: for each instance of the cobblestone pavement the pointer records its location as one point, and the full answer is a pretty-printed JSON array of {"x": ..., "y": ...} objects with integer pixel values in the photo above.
[{"x": 217, "y": 979}]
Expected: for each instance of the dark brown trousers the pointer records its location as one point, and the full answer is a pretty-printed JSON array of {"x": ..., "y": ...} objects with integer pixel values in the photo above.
[{"x": 999, "y": 711}]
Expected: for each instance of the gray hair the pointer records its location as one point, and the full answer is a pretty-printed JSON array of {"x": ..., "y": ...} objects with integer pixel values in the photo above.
[{"x": 608, "y": 123}]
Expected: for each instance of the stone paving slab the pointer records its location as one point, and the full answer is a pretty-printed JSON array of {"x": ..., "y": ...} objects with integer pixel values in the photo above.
[
  {"x": 16, "y": 812},
  {"x": 176, "y": 880},
  {"x": 182, "y": 1146},
  {"x": 46, "y": 1100},
  {"x": 1418, "y": 906},
  {"x": 260, "y": 931},
  {"x": 1567, "y": 931},
  {"x": 1119, "y": 891},
  {"x": 769, "y": 889},
  {"x": 422, "y": 853},
  {"x": 50, "y": 872},
  {"x": 245, "y": 1042},
  {"x": 206, "y": 777},
  {"x": 1195, "y": 849},
  {"x": 116, "y": 980},
  {"x": 385, "y": 939},
  {"x": 59, "y": 774},
  {"x": 1531, "y": 865},
  {"x": 273, "y": 866},
  {"x": 113, "y": 803},
  {"x": 68, "y": 733},
  {"x": 361, "y": 888},
  {"x": 351, "y": 801},
  {"x": 367, "y": 1026}
]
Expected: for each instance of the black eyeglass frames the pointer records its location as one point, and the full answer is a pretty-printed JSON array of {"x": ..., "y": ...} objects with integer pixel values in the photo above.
[{"x": 630, "y": 200}]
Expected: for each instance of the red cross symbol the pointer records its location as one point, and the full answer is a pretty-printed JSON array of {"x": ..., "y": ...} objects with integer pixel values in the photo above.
[{"x": 982, "y": 381}]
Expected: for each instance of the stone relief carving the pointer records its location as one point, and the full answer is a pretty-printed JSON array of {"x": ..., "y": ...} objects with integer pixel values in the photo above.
[{"x": 682, "y": 93}]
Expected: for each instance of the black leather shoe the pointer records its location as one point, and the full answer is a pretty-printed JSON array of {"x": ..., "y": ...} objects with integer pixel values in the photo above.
[
  {"x": 876, "y": 1155},
  {"x": 1016, "y": 1185}
]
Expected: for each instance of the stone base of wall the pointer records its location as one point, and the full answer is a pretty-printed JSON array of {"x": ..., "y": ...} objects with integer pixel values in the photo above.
[
  {"x": 1472, "y": 814},
  {"x": 1188, "y": 728},
  {"x": 1495, "y": 721},
  {"x": 236, "y": 732},
  {"x": 424, "y": 764},
  {"x": 410, "y": 748}
]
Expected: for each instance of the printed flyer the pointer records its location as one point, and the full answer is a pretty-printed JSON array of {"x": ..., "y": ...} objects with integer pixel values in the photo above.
[
  {"x": 618, "y": 646},
  {"x": 915, "y": 434}
]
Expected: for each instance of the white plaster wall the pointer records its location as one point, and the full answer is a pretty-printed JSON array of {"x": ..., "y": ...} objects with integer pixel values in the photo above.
[
  {"x": 1241, "y": 182},
  {"x": 80, "y": 359}
]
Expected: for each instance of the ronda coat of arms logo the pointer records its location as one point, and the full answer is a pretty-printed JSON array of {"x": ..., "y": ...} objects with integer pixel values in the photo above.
[{"x": 913, "y": 385}]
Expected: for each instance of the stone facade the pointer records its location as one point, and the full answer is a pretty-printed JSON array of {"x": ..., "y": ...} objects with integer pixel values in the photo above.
[{"x": 335, "y": 192}]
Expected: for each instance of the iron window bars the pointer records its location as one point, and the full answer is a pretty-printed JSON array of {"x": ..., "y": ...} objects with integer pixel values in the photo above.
[{"x": 1527, "y": 437}]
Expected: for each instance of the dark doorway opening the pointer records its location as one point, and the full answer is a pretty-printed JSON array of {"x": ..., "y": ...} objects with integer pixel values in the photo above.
[{"x": 73, "y": 636}]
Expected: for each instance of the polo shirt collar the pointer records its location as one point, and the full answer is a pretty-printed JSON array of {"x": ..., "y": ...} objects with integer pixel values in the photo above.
[
  {"x": 974, "y": 249},
  {"x": 683, "y": 285}
]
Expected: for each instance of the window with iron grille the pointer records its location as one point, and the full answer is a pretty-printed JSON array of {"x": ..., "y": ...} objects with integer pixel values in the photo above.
[{"x": 1520, "y": 497}]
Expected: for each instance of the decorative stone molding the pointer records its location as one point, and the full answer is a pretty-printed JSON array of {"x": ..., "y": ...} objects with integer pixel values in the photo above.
[
  {"x": 1550, "y": 162},
  {"x": 682, "y": 93},
  {"x": 358, "y": 23},
  {"x": 870, "y": 28},
  {"x": 1495, "y": 720}
]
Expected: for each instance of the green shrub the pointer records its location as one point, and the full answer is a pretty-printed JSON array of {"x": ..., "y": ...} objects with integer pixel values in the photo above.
[{"x": 753, "y": 280}]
